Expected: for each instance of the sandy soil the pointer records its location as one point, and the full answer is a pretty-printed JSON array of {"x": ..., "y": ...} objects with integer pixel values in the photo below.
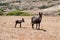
[{"x": 49, "y": 23}]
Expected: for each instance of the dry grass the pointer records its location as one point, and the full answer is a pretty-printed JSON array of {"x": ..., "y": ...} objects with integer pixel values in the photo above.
[{"x": 9, "y": 32}]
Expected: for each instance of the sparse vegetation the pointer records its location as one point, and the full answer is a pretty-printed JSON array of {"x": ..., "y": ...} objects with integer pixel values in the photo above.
[
  {"x": 3, "y": 4},
  {"x": 18, "y": 13},
  {"x": 43, "y": 7},
  {"x": 58, "y": 12},
  {"x": 1, "y": 11},
  {"x": 49, "y": 1},
  {"x": 30, "y": 5}
]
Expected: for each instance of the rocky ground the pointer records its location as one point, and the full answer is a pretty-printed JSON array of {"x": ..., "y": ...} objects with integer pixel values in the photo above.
[{"x": 50, "y": 28}]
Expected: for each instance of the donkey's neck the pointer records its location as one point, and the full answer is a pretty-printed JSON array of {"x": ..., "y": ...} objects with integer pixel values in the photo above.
[{"x": 40, "y": 16}]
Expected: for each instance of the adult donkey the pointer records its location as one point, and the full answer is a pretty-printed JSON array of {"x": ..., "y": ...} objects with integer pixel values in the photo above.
[{"x": 36, "y": 20}]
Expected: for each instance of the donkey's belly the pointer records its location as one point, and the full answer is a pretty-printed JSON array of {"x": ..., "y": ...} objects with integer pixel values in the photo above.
[{"x": 36, "y": 21}]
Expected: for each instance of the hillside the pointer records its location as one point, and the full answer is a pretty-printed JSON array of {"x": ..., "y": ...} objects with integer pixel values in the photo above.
[{"x": 33, "y": 6}]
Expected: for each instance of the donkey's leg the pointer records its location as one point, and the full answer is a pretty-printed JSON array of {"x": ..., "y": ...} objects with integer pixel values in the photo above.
[
  {"x": 20, "y": 25},
  {"x": 36, "y": 26},
  {"x": 32, "y": 26},
  {"x": 15, "y": 25},
  {"x": 39, "y": 26}
]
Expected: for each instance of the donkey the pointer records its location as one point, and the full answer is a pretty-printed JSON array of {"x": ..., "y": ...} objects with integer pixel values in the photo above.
[
  {"x": 19, "y": 22},
  {"x": 36, "y": 20}
]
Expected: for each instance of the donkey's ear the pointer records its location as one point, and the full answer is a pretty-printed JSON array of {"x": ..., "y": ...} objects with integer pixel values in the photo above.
[
  {"x": 39, "y": 13},
  {"x": 22, "y": 18}
]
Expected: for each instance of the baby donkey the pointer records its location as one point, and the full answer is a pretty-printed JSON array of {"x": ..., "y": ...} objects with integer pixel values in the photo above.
[{"x": 19, "y": 22}]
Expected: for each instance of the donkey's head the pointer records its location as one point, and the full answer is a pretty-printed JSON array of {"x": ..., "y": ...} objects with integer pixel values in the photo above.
[
  {"x": 40, "y": 14},
  {"x": 23, "y": 20}
]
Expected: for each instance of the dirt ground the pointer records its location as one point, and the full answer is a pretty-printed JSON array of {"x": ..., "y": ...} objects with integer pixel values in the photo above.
[{"x": 51, "y": 25}]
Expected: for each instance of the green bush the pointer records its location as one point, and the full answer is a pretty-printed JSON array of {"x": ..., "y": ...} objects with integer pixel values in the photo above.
[
  {"x": 18, "y": 13},
  {"x": 25, "y": 14},
  {"x": 49, "y": 1},
  {"x": 58, "y": 12},
  {"x": 1, "y": 11}
]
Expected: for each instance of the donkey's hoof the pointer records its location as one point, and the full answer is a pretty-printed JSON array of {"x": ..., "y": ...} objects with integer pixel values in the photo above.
[
  {"x": 20, "y": 27},
  {"x": 38, "y": 29},
  {"x": 32, "y": 27}
]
